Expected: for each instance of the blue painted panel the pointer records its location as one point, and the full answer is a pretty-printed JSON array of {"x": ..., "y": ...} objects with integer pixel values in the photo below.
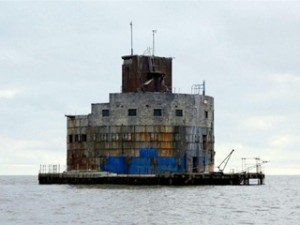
[
  {"x": 144, "y": 165},
  {"x": 140, "y": 165},
  {"x": 115, "y": 164},
  {"x": 148, "y": 152},
  {"x": 170, "y": 164},
  {"x": 205, "y": 161}
]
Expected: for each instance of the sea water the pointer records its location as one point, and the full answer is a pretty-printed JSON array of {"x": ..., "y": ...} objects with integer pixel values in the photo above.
[{"x": 24, "y": 201}]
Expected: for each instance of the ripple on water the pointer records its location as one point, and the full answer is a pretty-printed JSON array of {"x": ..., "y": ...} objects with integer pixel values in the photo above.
[{"x": 273, "y": 203}]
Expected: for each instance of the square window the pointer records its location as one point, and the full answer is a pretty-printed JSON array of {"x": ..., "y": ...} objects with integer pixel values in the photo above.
[
  {"x": 131, "y": 112},
  {"x": 179, "y": 112},
  {"x": 157, "y": 112},
  {"x": 105, "y": 112}
]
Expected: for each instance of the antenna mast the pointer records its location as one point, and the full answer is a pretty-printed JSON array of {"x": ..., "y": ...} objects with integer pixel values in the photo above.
[
  {"x": 131, "y": 38},
  {"x": 153, "y": 31}
]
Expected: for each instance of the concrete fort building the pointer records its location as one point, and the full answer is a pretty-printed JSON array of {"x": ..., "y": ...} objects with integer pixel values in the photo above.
[{"x": 146, "y": 129}]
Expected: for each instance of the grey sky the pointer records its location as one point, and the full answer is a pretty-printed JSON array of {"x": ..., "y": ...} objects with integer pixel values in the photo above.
[{"x": 57, "y": 58}]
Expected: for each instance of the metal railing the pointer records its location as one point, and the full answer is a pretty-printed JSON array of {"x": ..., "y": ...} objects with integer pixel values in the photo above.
[{"x": 50, "y": 168}]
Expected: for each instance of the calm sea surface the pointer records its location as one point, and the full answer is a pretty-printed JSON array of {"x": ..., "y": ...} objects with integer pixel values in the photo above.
[{"x": 24, "y": 201}]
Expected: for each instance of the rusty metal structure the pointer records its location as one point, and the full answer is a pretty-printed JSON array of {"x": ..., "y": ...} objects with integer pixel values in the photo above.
[
  {"x": 146, "y": 129},
  {"x": 146, "y": 74}
]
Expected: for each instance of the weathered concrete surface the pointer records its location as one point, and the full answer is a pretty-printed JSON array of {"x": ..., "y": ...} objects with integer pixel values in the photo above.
[
  {"x": 96, "y": 136},
  {"x": 146, "y": 115},
  {"x": 198, "y": 110}
]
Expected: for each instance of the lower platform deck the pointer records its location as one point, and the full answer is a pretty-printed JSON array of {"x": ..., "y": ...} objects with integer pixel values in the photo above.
[{"x": 89, "y": 178}]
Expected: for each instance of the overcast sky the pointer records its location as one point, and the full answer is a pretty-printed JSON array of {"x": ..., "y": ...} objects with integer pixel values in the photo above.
[{"x": 57, "y": 58}]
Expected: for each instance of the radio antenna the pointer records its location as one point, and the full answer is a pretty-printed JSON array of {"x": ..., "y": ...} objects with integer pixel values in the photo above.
[
  {"x": 131, "y": 38},
  {"x": 153, "y": 31}
]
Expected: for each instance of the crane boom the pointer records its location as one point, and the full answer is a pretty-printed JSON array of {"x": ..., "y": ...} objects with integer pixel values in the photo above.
[{"x": 225, "y": 161}]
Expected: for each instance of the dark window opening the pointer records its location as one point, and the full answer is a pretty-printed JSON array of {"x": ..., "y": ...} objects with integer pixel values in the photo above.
[
  {"x": 105, "y": 112},
  {"x": 195, "y": 164},
  {"x": 77, "y": 138},
  {"x": 131, "y": 112},
  {"x": 206, "y": 114},
  {"x": 157, "y": 112},
  {"x": 70, "y": 138},
  {"x": 179, "y": 112},
  {"x": 83, "y": 138},
  {"x": 204, "y": 141}
]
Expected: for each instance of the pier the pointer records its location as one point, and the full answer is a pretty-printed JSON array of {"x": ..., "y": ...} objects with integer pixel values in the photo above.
[{"x": 214, "y": 178}]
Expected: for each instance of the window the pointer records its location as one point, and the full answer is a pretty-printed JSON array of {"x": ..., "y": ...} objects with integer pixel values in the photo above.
[
  {"x": 83, "y": 138},
  {"x": 157, "y": 112},
  {"x": 204, "y": 141},
  {"x": 179, "y": 112},
  {"x": 77, "y": 138},
  {"x": 104, "y": 137},
  {"x": 127, "y": 136},
  {"x": 206, "y": 114},
  {"x": 153, "y": 136},
  {"x": 70, "y": 138},
  {"x": 131, "y": 112},
  {"x": 105, "y": 112}
]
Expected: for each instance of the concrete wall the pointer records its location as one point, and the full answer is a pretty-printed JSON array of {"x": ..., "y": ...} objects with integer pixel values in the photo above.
[
  {"x": 115, "y": 133},
  {"x": 194, "y": 109}
]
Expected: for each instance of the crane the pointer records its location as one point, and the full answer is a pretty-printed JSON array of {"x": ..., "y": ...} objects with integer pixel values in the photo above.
[
  {"x": 258, "y": 164},
  {"x": 225, "y": 161}
]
